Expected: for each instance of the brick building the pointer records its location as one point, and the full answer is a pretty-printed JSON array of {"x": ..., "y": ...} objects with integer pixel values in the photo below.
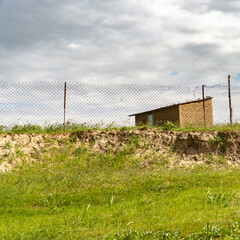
[{"x": 182, "y": 113}]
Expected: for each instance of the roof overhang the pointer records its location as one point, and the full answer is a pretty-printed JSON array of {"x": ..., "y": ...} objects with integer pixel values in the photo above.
[{"x": 173, "y": 105}]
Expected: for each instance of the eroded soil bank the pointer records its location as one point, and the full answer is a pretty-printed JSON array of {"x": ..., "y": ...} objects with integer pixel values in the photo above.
[{"x": 180, "y": 147}]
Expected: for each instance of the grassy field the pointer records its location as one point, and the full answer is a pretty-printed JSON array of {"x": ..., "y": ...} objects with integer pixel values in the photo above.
[{"x": 72, "y": 194}]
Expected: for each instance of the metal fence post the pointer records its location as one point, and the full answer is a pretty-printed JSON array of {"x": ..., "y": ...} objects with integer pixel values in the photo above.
[
  {"x": 204, "y": 114},
  {"x": 65, "y": 93},
  {"x": 229, "y": 97}
]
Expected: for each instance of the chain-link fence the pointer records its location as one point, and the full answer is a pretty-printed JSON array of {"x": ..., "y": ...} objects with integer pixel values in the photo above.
[
  {"x": 220, "y": 101},
  {"x": 43, "y": 102}
]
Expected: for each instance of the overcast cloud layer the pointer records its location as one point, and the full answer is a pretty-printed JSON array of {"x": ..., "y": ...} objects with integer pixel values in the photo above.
[{"x": 120, "y": 41}]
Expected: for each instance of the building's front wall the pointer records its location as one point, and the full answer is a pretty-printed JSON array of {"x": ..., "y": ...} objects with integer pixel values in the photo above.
[
  {"x": 160, "y": 116},
  {"x": 192, "y": 113},
  {"x": 141, "y": 119}
]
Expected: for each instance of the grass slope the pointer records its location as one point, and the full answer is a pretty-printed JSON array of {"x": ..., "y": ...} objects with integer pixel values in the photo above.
[{"x": 73, "y": 194}]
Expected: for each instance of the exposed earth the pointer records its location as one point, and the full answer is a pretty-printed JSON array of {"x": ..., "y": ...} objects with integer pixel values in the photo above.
[{"x": 181, "y": 148}]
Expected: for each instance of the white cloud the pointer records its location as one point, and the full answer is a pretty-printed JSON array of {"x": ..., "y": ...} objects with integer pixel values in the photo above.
[{"x": 74, "y": 45}]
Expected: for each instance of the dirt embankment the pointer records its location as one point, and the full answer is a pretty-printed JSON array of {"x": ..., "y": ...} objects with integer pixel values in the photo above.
[{"x": 186, "y": 147}]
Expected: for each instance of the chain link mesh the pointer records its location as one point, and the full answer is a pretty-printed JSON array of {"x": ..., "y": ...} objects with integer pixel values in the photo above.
[
  {"x": 42, "y": 102},
  {"x": 221, "y": 112}
]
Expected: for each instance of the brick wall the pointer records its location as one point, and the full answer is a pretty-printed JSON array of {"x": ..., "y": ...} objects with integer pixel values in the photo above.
[
  {"x": 188, "y": 113},
  {"x": 141, "y": 119},
  {"x": 192, "y": 113},
  {"x": 160, "y": 117}
]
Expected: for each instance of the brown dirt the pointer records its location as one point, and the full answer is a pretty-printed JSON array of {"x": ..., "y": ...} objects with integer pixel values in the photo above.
[{"x": 181, "y": 148}]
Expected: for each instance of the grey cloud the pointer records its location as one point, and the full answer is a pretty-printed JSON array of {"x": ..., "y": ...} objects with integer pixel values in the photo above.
[
  {"x": 187, "y": 30},
  {"x": 202, "y": 50},
  {"x": 227, "y": 6},
  {"x": 117, "y": 43},
  {"x": 28, "y": 23}
]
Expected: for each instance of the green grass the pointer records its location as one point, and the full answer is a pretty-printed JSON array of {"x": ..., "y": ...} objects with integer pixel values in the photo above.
[
  {"x": 48, "y": 128},
  {"x": 76, "y": 127},
  {"x": 73, "y": 194},
  {"x": 216, "y": 127}
]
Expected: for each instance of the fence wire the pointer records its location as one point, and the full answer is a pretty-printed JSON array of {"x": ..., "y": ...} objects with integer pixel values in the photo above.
[
  {"x": 42, "y": 102},
  {"x": 220, "y": 101}
]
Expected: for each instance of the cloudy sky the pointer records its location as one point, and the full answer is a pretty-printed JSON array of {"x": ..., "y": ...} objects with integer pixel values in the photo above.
[{"x": 165, "y": 42}]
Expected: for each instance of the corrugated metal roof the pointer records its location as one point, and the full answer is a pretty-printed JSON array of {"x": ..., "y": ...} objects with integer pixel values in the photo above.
[{"x": 197, "y": 100}]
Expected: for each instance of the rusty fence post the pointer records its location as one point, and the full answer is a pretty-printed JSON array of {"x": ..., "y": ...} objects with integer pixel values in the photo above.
[
  {"x": 204, "y": 113},
  {"x": 65, "y": 93},
  {"x": 229, "y": 97}
]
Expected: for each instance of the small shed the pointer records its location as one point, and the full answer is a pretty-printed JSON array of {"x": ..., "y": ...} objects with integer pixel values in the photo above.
[{"x": 190, "y": 112}]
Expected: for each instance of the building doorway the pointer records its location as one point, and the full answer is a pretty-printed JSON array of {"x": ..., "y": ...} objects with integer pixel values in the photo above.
[{"x": 150, "y": 120}]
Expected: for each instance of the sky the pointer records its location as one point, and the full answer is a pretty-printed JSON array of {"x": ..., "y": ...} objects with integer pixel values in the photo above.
[{"x": 168, "y": 42}]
